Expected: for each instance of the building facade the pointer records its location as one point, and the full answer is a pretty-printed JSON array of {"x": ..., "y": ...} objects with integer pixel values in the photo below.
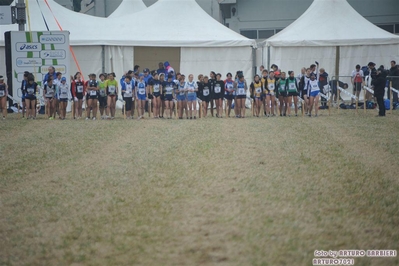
[{"x": 260, "y": 19}]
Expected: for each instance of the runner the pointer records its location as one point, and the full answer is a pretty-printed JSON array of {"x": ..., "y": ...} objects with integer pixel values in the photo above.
[
  {"x": 24, "y": 83},
  {"x": 49, "y": 92},
  {"x": 102, "y": 98},
  {"x": 112, "y": 93},
  {"x": 282, "y": 94},
  {"x": 30, "y": 97},
  {"x": 229, "y": 92},
  {"x": 212, "y": 82},
  {"x": 163, "y": 91},
  {"x": 78, "y": 91},
  {"x": 205, "y": 88},
  {"x": 270, "y": 88},
  {"x": 313, "y": 92},
  {"x": 192, "y": 88},
  {"x": 181, "y": 97},
  {"x": 64, "y": 94},
  {"x": 169, "y": 95},
  {"x": 304, "y": 90},
  {"x": 3, "y": 97},
  {"x": 92, "y": 96},
  {"x": 292, "y": 87},
  {"x": 156, "y": 91},
  {"x": 241, "y": 88},
  {"x": 218, "y": 92},
  {"x": 257, "y": 92},
  {"x": 141, "y": 96},
  {"x": 264, "y": 84},
  {"x": 127, "y": 94}
]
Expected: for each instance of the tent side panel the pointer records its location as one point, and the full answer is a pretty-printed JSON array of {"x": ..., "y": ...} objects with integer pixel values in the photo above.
[
  {"x": 294, "y": 58},
  {"x": 379, "y": 54},
  {"x": 89, "y": 60},
  {"x": 221, "y": 60},
  {"x": 119, "y": 59}
]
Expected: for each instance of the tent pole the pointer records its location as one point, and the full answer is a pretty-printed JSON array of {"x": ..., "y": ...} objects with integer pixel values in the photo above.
[
  {"x": 103, "y": 58},
  {"x": 268, "y": 58},
  {"x": 337, "y": 57},
  {"x": 253, "y": 61}
]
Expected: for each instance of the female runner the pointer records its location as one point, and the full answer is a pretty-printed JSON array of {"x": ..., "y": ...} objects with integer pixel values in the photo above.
[
  {"x": 192, "y": 88},
  {"x": 112, "y": 92},
  {"x": 156, "y": 91},
  {"x": 78, "y": 91},
  {"x": 257, "y": 91}
]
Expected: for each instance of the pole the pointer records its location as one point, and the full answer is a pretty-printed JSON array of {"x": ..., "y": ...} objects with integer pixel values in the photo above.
[
  {"x": 391, "y": 98},
  {"x": 21, "y": 15},
  {"x": 338, "y": 94},
  {"x": 364, "y": 101}
]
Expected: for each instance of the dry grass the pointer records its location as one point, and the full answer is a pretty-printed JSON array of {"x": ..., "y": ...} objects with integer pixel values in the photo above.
[{"x": 212, "y": 191}]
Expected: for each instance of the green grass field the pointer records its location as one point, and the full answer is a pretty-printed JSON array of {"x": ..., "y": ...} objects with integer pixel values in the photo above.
[{"x": 253, "y": 191}]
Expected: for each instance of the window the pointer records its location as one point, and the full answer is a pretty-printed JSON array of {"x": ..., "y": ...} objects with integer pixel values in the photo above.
[
  {"x": 251, "y": 34},
  {"x": 388, "y": 28},
  {"x": 396, "y": 28},
  {"x": 264, "y": 34}
]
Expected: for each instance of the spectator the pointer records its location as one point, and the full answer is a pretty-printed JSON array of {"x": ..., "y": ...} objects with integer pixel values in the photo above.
[
  {"x": 378, "y": 84},
  {"x": 357, "y": 81},
  {"x": 51, "y": 73},
  {"x": 169, "y": 69},
  {"x": 136, "y": 69},
  {"x": 394, "y": 72},
  {"x": 323, "y": 80},
  {"x": 161, "y": 68},
  {"x": 261, "y": 68}
]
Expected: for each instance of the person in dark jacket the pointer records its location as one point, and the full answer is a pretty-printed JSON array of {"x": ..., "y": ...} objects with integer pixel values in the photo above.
[
  {"x": 394, "y": 72},
  {"x": 378, "y": 84}
]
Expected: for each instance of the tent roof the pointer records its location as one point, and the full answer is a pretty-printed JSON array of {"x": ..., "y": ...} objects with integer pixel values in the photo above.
[
  {"x": 83, "y": 28},
  {"x": 195, "y": 28},
  {"x": 176, "y": 23},
  {"x": 128, "y": 7},
  {"x": 331, "y": 23}
]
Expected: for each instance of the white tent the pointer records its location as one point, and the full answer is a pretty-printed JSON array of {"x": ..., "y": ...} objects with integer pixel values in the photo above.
[
  {"x": 128, "y": 7},
  {"x": 330, "y": 31},
  {"x": 109, "y": 44}
]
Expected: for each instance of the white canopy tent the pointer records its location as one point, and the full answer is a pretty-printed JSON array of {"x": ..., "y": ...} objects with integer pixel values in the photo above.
[
  {"x": 332, "y": 32},
  {"x": 128, "y": 7},
  {"x": 110, "y": 42}
]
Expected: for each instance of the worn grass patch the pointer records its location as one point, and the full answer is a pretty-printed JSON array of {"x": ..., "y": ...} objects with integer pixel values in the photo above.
[{"x": 254, "y": 191}]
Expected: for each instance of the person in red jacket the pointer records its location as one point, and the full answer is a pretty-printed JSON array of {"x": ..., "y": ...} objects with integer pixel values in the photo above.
[{"x": 78, "y": 91}]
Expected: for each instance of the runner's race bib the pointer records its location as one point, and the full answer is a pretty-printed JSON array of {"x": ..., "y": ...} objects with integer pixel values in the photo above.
[
  {"x": 169, "y": 90},
  {"x": 258, "y": 90},
  {"x": 206, "y": 92},
  {"x": 2, "y": 93},
  {"x": 64, "y": 93},
  {"x": 141, "y": 91},
  {"x": 218, "y": 89},
  {"x": 102, "y": 93},
  {"x": 30, "y": 90},
  {"x": 292, "y": 87},
  {"x": 80, "y": 89},
  {"x": 156, "y": 88},
  {"x": 241, "y": 91},
  {"x": 93, "y": 93},
  {"x": 111, "y": 89}
]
